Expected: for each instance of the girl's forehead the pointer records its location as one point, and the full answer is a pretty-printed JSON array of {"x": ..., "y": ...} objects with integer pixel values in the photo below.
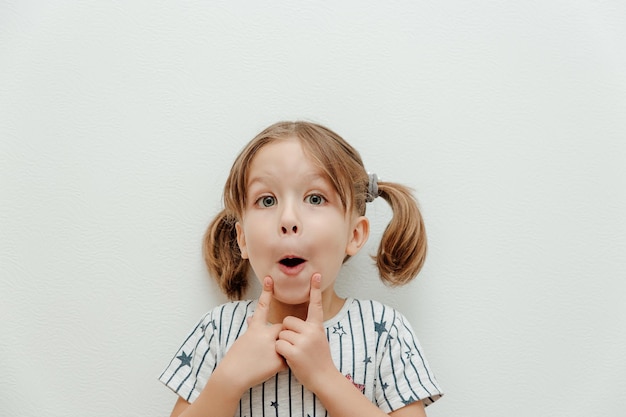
[
  {"x": 328, "y": 159},
  {"x": 285, "y": 156}
]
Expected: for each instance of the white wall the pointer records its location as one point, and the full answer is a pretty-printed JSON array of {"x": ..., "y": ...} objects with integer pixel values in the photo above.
[{"x": 119, "y": 120}]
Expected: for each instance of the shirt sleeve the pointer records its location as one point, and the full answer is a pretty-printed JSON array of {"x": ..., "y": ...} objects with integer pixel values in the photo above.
[
  {"x": 404, "y": 374},
  {"x": 194, "y": 362}
]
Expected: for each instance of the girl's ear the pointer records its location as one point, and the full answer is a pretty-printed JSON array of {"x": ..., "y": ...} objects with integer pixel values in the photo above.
[
  {"x": 241, "y": 241},
  {"x": 358, "y": 237}
]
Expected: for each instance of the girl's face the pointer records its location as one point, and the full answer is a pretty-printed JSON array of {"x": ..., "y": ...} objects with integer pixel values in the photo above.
[{"x": 294, "y": 223}]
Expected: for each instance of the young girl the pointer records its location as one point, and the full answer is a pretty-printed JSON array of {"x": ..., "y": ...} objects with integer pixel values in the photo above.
[{"x": 294, "y": 213}]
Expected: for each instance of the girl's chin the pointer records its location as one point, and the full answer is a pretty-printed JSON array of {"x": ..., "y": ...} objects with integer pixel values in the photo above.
[{"x": 292, "y": 296}]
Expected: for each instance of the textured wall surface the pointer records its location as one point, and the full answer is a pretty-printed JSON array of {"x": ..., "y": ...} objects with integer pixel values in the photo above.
[{"x": 119, "y": 120}]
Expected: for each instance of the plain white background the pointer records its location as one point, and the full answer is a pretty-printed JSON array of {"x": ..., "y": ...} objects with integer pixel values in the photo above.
[{"x": 120, "y": 119}]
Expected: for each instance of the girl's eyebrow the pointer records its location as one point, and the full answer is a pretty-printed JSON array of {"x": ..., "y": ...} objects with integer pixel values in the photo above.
[
  {"x": 254, "y": 180},
  {"x": 315, "y": 176},
  {"x": 264, "y": 179}
]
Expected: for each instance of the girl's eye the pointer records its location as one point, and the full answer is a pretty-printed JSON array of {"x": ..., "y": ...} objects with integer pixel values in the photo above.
[
  {"x": 315, "y": 199},
  {"x": 266, "y": 201}
]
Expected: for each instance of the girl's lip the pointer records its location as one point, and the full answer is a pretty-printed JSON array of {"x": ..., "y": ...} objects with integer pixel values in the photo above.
[{"x": 292, "y": 269}]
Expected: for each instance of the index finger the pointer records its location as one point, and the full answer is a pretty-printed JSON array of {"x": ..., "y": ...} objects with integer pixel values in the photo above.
[
  {"x": 263, "y": 304},
  {"x": 315, "y": 313}
]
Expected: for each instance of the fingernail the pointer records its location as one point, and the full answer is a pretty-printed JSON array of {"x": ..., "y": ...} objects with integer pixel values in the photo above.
[
  {"x": 317, "y": 278},
  {"x": 267, "y": 281}
]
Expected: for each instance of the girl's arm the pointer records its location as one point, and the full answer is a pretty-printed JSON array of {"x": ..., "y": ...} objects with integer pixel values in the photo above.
[
  {"x": 218, "y": 398},
  {"x": 415, "y": 409},
  {"x": 341, "y": 398},
  {"x": 305, "y": 347},
  {"x": 251, "y": 360}
]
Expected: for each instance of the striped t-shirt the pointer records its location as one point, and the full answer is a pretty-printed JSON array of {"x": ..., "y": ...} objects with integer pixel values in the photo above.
[{"x": 371, "y": 344}]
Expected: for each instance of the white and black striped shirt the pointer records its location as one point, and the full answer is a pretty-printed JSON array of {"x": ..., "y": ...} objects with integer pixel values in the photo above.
[{"x": 372, "y": 344}]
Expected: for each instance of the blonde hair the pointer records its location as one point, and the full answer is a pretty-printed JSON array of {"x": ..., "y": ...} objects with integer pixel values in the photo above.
[{"x": 402, "y": 250}]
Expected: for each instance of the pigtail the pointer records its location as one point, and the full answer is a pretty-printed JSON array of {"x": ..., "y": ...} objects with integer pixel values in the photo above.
[
  {"x": 403, "y": 246},
  {"x": 223, "y": 258}
]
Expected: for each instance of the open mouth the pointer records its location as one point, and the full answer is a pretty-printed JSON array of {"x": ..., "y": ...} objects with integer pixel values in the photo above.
[{"x": 291, "y": 262}]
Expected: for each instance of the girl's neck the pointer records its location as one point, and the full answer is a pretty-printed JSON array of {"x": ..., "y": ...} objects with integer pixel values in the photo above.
[{"x": 331, "y": 303}]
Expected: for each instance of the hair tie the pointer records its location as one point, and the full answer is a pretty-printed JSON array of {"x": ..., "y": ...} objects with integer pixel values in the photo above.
[{"x": 372, "y": 188}]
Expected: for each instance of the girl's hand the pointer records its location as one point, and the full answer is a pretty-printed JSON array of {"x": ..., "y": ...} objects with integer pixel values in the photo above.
[
  {"x": 304, "y": 344},
  {"x": 252, "y": 359}
]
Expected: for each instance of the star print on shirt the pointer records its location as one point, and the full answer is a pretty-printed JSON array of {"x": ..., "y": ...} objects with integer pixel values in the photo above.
[
  {"x": 339, "y": 330},
  {"x": 360, "y": 387},
  {"x": 274, "y": 404},
  {"x": 409, "y": 401},
  {"x": 409, "y": 353},
  {"x": 367, "y": 360},
  {"x": 185, "y": 360},
  {"x": 380, "y": 328}
]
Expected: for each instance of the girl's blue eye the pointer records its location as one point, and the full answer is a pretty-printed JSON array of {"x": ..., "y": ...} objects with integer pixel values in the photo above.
[
  {"x": 315, "y": 199},
  {"x": 267, "y": 201}
]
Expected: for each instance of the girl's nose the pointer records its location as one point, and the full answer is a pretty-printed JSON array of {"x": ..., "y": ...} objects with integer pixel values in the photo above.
[
  {"x": 286, "y": 230},
  {"x": 290, "y": 220}
]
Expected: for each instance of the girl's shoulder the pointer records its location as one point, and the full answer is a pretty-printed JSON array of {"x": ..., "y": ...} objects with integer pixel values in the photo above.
[
  {"x": 367, "y": 305},
  {"x": 233, "y": 306},
  {"x": 370, "y": 311},
  {"x": 229, "y": 312}
]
